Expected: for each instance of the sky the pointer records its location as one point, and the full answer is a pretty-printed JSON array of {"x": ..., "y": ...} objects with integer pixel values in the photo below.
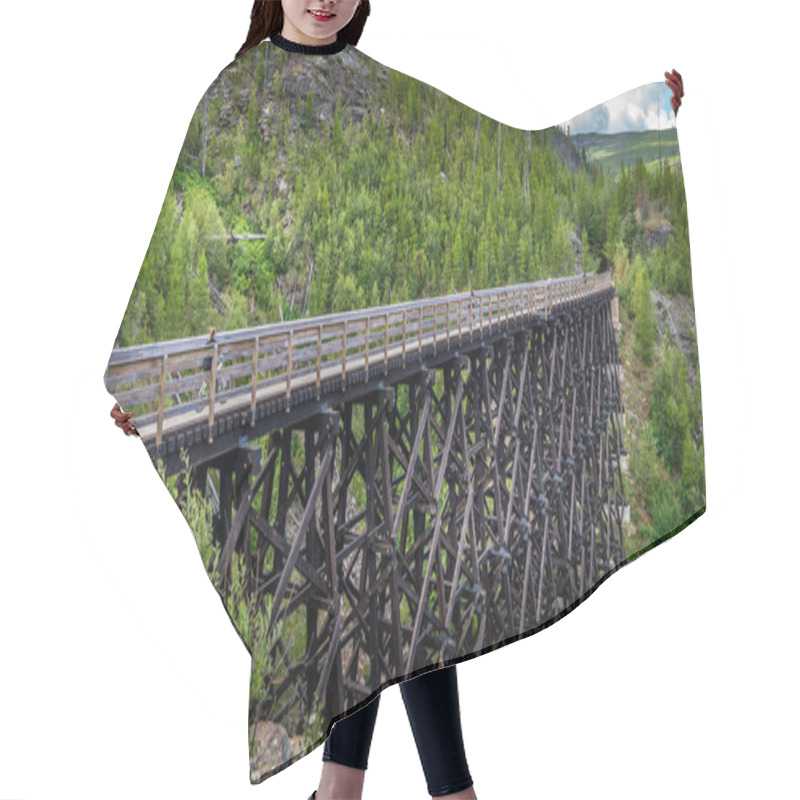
[{"x": 636, "y": 110}]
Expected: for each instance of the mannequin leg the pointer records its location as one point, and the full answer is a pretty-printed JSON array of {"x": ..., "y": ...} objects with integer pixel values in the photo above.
[
  {"x": 346, "y": 753},
  {"x": 433, "y": 709}
]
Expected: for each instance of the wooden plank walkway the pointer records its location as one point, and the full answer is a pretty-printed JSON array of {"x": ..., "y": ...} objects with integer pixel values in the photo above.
[{"x": 160, "y": 382}]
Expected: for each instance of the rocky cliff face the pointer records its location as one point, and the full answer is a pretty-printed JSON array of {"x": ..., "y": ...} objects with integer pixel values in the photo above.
[
  {"x": 676, "y": 321},
  {"x": 298, "y": 77},
  {"x": 657, "y": 236},
  {"x": 351, "y": 88},
  {"x": 564, "y": 146}
]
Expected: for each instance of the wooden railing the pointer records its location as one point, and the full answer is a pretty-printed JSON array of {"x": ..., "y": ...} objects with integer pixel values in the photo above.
[{"x": 161, "y": 380}]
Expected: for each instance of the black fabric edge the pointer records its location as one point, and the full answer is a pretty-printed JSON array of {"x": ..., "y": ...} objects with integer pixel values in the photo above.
[
  {"x": 308, "y": 49},
  {"x": 546, "y": 624}
]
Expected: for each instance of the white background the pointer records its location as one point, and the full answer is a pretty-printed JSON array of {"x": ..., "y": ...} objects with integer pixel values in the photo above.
[{"x": 120, "y": 673}]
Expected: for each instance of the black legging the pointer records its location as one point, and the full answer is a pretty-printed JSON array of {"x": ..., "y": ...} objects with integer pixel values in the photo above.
[{"x": 431, "y": 701}]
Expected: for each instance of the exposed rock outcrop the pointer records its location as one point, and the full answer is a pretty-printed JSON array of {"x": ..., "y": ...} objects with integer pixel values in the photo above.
[
  {"x": 270, "y": 746},
  {"x": 657, "y": 236},
  {"x": 676, "y": 322},
  {"x": 565, "y": 147}
]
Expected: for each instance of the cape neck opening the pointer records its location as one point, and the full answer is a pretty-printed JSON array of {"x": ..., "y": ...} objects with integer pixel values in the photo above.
[{"x": 308, "y": 49}]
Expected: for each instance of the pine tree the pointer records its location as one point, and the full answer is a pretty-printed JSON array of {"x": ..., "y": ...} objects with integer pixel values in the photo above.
[
  {"x": 614, "y": 228},
  {"x": 645, "y": 323},
  {"x": 375, "y": 296},
  {"x": 692, "y": 476},
  {"x": 346, "y": 295},
  {"x": 337, "y": 129}
]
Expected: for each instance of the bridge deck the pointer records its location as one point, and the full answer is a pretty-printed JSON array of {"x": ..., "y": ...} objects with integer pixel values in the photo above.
[
  {"x": 308, "y": 361},
  {"x": 242, "y": 398}
]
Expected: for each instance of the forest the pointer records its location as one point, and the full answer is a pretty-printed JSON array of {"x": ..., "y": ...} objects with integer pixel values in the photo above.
[{"x": 278, "y": 210}]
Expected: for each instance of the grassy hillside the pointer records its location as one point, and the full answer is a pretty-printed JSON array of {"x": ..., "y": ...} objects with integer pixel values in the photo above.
[{"x": 614, "y": 150}]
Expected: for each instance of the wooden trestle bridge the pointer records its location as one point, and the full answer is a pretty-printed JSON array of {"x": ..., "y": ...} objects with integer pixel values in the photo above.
[{"x": 420, "y": 482}]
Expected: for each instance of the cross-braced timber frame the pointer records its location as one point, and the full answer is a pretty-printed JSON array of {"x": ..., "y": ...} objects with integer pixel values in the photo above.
[
  {"x": 434, "y": 503},
  {"x": 444, "y": 515}
]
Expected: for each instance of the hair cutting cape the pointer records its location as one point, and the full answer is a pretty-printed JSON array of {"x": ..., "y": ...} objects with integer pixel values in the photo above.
[{"x": 418, "y": 380}]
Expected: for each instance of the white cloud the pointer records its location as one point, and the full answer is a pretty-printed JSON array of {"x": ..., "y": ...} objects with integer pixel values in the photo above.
[{"x": 636, "y": 110}]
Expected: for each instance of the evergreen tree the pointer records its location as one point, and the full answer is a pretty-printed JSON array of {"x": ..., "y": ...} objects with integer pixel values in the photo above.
[
  {"x": 692, "y": 476},
  {"x": 346, "y": 295},
  {"x": 645, "y": 323},
  {"x": 669, "y": 407},
  {"x": 614, "y": 228},
  {"x": 337, "y": 129},
  {"x": 375, "y": 296}
]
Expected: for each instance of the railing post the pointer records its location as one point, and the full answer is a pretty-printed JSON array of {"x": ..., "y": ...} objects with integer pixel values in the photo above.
[
  {"x": 420, "y": 333},
  {"x": 386, "y": 344},
  {"x": 254, "y": 383},
  {"x": 366, "y": 354},
  {"x": 449, "y": 322},
  {"x": 319, "y": 361},
  {"x": 160, "y": 423},
  {"x": 290, "y": 344},
  {"x": 435, "y": 315},
  {"x": 405, "y": 328},
  {"x": 460, "y": 312},
  {"x": 344, "y": 356},
  {"x": 212, "y": 393}
]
